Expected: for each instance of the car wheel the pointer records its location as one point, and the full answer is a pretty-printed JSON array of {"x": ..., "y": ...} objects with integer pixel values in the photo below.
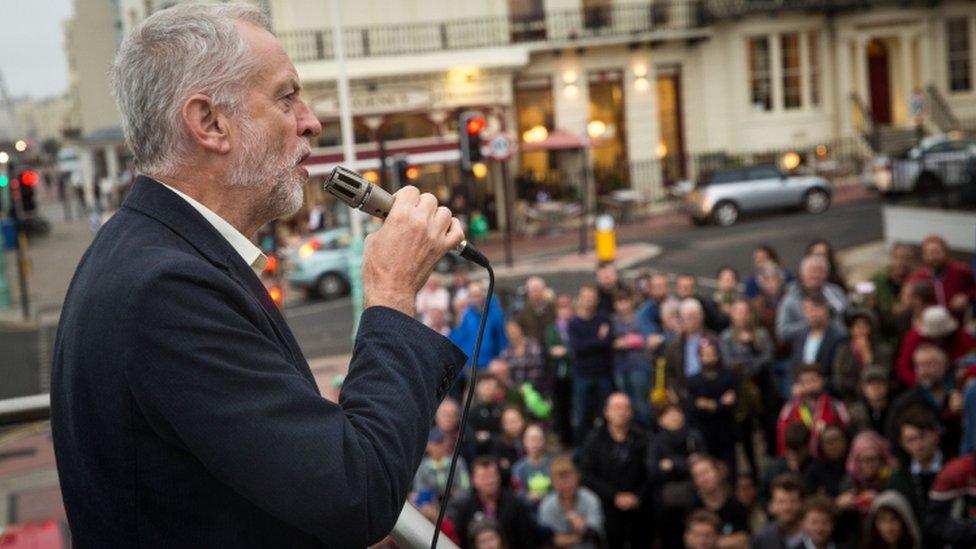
[
  {"x": 330, "y": 286},
  {"x": 816, "y": 201},
  {"x": 725, "y": 214}
]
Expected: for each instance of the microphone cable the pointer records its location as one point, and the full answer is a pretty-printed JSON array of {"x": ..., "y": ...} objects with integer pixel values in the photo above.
[{"x": 467, "y": 405}]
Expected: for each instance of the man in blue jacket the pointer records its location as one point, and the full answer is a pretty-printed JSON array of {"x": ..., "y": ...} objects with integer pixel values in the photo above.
[{"x": 183, "y": 411}]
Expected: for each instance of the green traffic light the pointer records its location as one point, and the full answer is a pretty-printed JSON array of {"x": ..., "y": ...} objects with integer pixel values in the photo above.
[{"x": 4, "y": 181}]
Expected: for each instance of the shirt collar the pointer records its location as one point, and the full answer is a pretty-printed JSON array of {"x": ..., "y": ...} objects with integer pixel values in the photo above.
[
  {"x": 250, "y": 253},
  {"x": 934, "y": 467}
]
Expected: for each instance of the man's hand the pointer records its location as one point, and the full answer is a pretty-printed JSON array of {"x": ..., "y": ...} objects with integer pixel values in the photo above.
[
  {"x": 626, "y": 501},
  {"x": 398, "y": 259}
]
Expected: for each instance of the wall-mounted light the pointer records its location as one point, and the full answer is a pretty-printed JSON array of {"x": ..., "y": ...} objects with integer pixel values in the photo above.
[
  {"x": 571, "y": 91},
  {"x": 791, "y": 160},
  {"x": 371, "y": 176},
  {"x": 596, "y": 128},
  {"x": 821, "y": 151},
  {"x": 570, "y": 76},
  {"x": 641, "y": 84},
  {"x": 479, "y": 170},
  {"x": 535, "y": 134},
  {"x": 662, "y": 149}
]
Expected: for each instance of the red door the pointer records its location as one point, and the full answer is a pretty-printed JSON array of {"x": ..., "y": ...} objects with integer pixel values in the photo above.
[{"x": 879, "y": 82}]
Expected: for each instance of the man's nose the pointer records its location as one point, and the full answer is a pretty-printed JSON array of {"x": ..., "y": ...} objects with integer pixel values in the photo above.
[{"x": 308, "y": 124}]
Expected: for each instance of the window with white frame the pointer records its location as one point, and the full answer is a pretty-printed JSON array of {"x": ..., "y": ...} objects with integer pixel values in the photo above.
[
  {"x": 959, "y": 54},
  {"x": 792, "y": 82},
  {"x": 813, "y": 59},
  {"x": 760, "y": 77}
]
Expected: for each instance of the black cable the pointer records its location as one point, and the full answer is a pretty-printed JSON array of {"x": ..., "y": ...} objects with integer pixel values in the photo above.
[{"x": 467, "y": 404}]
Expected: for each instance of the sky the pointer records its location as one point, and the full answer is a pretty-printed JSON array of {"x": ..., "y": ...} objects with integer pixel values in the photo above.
[{"x": 32, "y": 47}]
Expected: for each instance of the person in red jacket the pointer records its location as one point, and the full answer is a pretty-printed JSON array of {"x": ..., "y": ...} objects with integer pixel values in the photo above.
[
  {"x": 812, "y": 406},
  {"x": 955, "y": 287},
  {"x": 938, "y": 327}
]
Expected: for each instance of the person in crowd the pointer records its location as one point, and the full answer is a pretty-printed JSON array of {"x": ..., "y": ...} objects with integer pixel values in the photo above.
[
  {"x": 919, "y": 441},
  {"x": 770, "y": 278},
  {"x": 763, "y": 255},
  {"x": 712, "y": 493},
  {"x": 796, "y": 461},
  {"x": 591, "y": 338},
  {"x": 607, "y": 284},
  {"x": 953, "y": 487},
  {"x": 728, "y": 290},
  {"x": 863, "y": 348},
  {"x": 657, "y": 343},
  {"x": 668, "y": 471},
  {"x": 487, "y": 534},
  {"x": 748, "y": 348},
  {"x": 658, "y": 288},
  {"x": 936, "y": 390},
  {"x": 937, "y": 327},
  {"x": 681, "y": 355},
  {"x": 561, "y": 365},
  {"x": 823, "y": 248},
  {"x": 916, "y": 296},
  {"x": 747, "y": 494},
  {"x": 439, "y": 321},
  {"x": 432, "y": 297},
  {"x": 817, "y": 524},
  {"x": 507, "y": 445},
  {"x": 539, "y": 311},
  {"x": 955, "y": 288},
  {"x": 464, "y": 335},
  {"x": 430, "y": 482},
  {"x": 817, "y": 342},
  {"x": 828, "y": 470},
  {"x": 571, "y": 512},
  {"x": 485, "y": 419},
  {"x": 612, "y": 463},
  {"x": 702, "y": 530},
  {"x": 812, "y": 406},
  {"x": 785, "y": 505},
  {"x": 526, "y": 360},
  {"x": 488, "y": 498},
  {"x": 447, "y": 418},
  {"x": 790, "y": 318},
  {"x": 869, "y": 412},
  {"x": 888, "y": 283},
  {"x": 631, "y": 367},
  {"x": 508, "y": 392},
  {"x": 868, "y": 467},
  {"x": 686, "y": 287},
  {"x": 890, "y": 524},
  {"x": 531, "y": 477},
  {"x": 712, "y": 399}
]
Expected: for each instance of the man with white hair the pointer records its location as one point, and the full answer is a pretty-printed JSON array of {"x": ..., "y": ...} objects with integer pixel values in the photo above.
[
  {"x": 539, "y": 310},
  {"x": 681, "y": 355},
  {"x": 790, "y": 320},
  {"x": 183, "y": 412}
]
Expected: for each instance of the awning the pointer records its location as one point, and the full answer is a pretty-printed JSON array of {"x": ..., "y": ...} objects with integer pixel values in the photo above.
[{"x": 559, "y": 140}]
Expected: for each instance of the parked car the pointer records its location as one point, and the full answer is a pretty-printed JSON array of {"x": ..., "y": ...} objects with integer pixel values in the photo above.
[
  {"x": 723, "y": 196},
  {"x": 936, "y": 164},
  {"x": 319, "y": 264}
]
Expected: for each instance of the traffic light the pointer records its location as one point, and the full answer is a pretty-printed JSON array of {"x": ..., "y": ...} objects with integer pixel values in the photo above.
[
  {"x": 28, "y": 179},
  {"x": 4, "y": 180},
  {"x": 470, "y": 126},
  {"x": 405, "y": 172},
  {"x": 271, "y": 277}
]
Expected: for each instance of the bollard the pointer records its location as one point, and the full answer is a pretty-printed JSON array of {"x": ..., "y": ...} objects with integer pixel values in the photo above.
[{"x": 606, "y": 239}]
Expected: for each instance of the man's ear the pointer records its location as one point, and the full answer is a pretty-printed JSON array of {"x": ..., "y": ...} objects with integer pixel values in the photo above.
[{"x": 208, "y": 126}]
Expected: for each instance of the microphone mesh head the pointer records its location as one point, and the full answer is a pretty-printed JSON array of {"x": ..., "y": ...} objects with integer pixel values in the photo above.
[{"x": 347, "y": 185}]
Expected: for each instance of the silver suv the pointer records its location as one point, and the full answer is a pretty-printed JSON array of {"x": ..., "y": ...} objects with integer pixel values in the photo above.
[{"x": 724, "y": 195}]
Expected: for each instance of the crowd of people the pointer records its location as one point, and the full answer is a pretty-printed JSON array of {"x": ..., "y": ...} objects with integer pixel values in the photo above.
[{"x": 787, "y": 409}]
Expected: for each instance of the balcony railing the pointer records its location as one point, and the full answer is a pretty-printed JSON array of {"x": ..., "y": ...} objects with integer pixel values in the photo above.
[{"x": 618, "y": 20}]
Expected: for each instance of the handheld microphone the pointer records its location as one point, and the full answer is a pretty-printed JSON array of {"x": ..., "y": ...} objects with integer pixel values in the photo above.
[{"x": 356, "y": 192}]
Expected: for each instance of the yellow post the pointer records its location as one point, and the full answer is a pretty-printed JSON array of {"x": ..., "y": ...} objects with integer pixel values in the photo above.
[{"x": 606, "y": 239}]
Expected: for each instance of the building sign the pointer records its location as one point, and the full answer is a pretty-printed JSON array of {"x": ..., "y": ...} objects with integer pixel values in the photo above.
[
  {"x": 382, "y": 100},
  {"x": 438, "y": 94}
]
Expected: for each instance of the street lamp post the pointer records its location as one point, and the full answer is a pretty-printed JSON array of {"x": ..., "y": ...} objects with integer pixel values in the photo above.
[{"x": 4, "y": 204}]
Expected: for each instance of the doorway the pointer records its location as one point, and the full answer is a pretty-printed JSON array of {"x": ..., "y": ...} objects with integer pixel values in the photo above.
[
  {"x": 879, "y": 81},
  {"x": 670, "y": 150}
]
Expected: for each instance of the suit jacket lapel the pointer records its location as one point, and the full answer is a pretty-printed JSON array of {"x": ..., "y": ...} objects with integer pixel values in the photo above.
[{"x": 151, "y": 198}]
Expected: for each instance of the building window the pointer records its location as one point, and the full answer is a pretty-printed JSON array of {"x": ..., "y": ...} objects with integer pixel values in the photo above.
[
  {"x": 813, "y": 58},
  {"x": 759, "y": 76},
  {"x": 959, "y": 56},
  {"x": 792, "y": 87}
]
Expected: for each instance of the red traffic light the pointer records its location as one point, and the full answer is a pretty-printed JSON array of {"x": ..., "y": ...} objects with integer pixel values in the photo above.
[
  {"x": 475, "y": 125},
  {"x": 29, "y": 178},
  {"x": 272, "y": 265}
]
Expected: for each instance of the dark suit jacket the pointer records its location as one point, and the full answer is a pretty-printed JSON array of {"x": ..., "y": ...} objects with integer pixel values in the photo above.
[
  {"x": 184, "y": 414},
  {"x": 832, "y": 339}
]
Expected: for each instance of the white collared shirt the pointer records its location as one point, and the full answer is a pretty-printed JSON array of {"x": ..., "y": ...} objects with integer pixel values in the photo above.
[
  {"x": 934, "y": 467},
  {"x": 250, "y": 253}
]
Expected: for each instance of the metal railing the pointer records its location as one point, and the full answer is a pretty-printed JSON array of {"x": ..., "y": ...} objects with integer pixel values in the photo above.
[
  {"x": 412, "y": 530},
  {"x": 617, "y": 20}
]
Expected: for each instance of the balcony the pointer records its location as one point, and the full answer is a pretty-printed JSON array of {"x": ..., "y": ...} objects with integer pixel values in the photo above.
[{"x": 618, "y": 22}]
